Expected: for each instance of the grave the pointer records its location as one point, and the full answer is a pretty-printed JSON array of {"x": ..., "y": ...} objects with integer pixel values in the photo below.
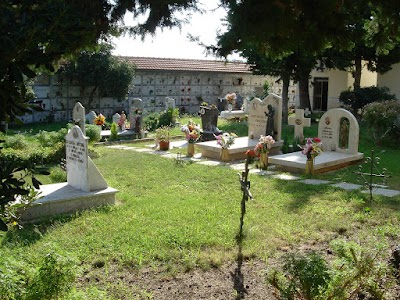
[
  {"x": 169, "y": 103},
  {"x": 209, "y": 121},
  {"x": 85, "y": 187},
  {"x": 235, "y": 113},
  {"x": 299, "y": 122},
  {"x": 259, "y": 113},
  {"x": 90, "y": 117},
  {"x": 338, "y": 130},
  {"x": 115, "y": 118}
]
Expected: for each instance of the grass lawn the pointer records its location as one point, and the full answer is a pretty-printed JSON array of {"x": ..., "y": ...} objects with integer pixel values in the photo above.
[{"x": 176, "y": 218}]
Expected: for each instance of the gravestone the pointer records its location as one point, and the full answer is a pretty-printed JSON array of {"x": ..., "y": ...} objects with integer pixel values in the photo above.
[
  {"x": 338, "y": 130},
  {"x": 257, "y": 123},
  {"x": 90, "y": 117},
  {"x": 82, "y": 174},
  {"x": 169, "y": 103},
  {"x": 85, "y": 187},
  {"x": 78, "y": 116},
  {"x": 115, "y": 118},
  {"x": 209, "y": 121},
  {"x": 299, "y": 122}
]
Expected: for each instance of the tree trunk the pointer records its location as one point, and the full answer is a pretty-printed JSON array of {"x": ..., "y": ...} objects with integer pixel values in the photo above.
[
  {"x": 304, "y": 93},
  {"x": 285, "y": 98},
  {"x": 357, "y": 73},
  {"x": 3, "y": 120}
]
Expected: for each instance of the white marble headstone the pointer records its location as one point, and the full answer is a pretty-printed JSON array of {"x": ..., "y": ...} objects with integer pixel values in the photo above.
[
  {"x": 299, "y": 122},
  {"x": 257, "y": 120},
  {"x": 82, "y": 174},
  {"x": 78, "y": 116},
  {"x": 115, "y": 118},
  {"x": 90, "y": 117},
  {"x": 339, "y": 131}
]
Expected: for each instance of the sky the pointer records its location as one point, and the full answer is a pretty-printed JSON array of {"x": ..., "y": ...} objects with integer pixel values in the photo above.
[{"x": 174, "y": 43}]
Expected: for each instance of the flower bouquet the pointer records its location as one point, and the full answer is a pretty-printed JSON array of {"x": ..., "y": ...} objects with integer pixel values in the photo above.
[
  {"x": 225, "y": 140},
  {"x": 99, "y": 120},
  {"x": 312, "y": 148},
  {"x": 192, "y": 131},
  {"x": 262, "y": 148},
  {"x": 230, "y": 97}
]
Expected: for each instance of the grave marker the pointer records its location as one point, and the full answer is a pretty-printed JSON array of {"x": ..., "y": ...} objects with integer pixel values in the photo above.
[
  {"x": 78, "y": 116},
  {"x": 299, "y": 122}
]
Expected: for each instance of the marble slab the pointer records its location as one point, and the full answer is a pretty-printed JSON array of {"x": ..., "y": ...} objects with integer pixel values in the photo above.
[
  {"x": 327, "y": 161},
  {"x": 226, "y": 114}
]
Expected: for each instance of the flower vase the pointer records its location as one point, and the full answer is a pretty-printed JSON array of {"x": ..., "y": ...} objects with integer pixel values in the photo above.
[
  {"x": 190, "y": 149},
  {"x": 230, "y": 107},
  {"x": 163, "y": 145},
  {"x": 224, "y": 155},
  {"x": 263, "y": 163},
  {"x": 310, "y": 166}
]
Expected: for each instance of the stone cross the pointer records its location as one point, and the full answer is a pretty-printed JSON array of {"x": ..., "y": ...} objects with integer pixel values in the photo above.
[
  {"x": 78, "y": 116},
  {"x": 299, "y": 122}
]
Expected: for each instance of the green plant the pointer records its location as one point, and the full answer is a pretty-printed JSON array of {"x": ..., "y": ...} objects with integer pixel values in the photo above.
[
  {"x": 163, "y": 134},
  {"x": 114, "y": 132},
  {"x": 356, "y": 99},
  {"x": 168, "y": 118},
  {"x": 57, "y": 174},
  {"x": 151, "y": 121},
  {"x": 382, "y": 119},
  {"x": 17, "y": 141},
  {"x": 93, "y": 133},
  {"x": 53, "y": 279},
  {"x": 48, "y": 139},
  {"x": 307, "y": 277}
]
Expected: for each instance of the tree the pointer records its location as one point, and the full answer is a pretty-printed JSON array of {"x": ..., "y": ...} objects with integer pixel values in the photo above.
[
  {"x": 100, "y": 71},
  {"x": 36, "y": 34},
  {"x": 373, "y": 37},
  {"x": 293, "y": 33}
]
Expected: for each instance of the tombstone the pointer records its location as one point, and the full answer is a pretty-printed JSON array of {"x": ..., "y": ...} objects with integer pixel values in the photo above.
[
  {"x": 169, "y": 103},
  {"x": 299, "y": 122},
  {"x": 85, "y": 187},
  {"x": 90, "y": 117},
  {"x": 115, "y": 118},
  {"x": 82, "y": 174},
  {"x": 78, "y": 116},
  {"x": 257, "y": 123},
  {"x": 258, "y": 117},
  {"x": 209, "y": 121},
  {"x": 338, "y": 130}
]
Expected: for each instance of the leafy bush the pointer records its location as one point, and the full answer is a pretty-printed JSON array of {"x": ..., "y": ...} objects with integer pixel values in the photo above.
[
  {"x": 57, "y": 174},
  {"x": 114, "y": 132},
  {"x": 356, "y": 270},
  {"x": 93, "y": 133},
  {"x": 382, "y": 119},
  {"x": 53, "y": 279},
  {"x": 357, "y": 99},
  {"x": 48, "y": 139},
  {"x": 151, "y": 121},
  {"x": 168, "y": 118},
  {"x": 17, "y": 142}
]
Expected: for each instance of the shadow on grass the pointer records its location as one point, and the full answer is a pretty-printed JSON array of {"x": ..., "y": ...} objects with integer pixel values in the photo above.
[{"x": 31, "y": 233}]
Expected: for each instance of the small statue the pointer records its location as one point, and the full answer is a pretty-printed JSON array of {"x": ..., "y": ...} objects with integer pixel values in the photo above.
[{"x": 270, "y": 121}]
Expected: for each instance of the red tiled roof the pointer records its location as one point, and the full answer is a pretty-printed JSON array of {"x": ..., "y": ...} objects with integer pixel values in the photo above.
[{"x": 174, "y": 64}]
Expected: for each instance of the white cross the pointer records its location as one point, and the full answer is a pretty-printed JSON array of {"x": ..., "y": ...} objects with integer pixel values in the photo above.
[{"x": 299, "y": 122}]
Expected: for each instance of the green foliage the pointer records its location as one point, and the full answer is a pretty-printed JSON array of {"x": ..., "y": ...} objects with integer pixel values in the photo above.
[
  {"x": 53, "y": 279},
  {"x": 382, "y": 119},
  {"x": 355, "y": 270},
  {"x": 57, "y": 174},
  {"x": 168, "y": 118},
  {"x": 151, "y": 121},
  {"x": 48, "y": 139},
  {"x": 99, "y": 70},
  {"x": 308, "y": 277},
  {"x": 114, "y": 131},
  {"x": 356, "y": 99},
  {"x": 93, "y": 133},
  {"x": 163, "y": 133},
  {"x": 17, "y": 142}
]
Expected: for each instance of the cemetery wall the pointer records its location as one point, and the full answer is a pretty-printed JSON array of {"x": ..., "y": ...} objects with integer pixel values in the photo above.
[{"x": 57, "y": 95}]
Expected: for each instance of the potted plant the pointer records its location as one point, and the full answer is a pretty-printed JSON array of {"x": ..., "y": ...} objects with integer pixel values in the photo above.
[{"x": 163, "y": 136}]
